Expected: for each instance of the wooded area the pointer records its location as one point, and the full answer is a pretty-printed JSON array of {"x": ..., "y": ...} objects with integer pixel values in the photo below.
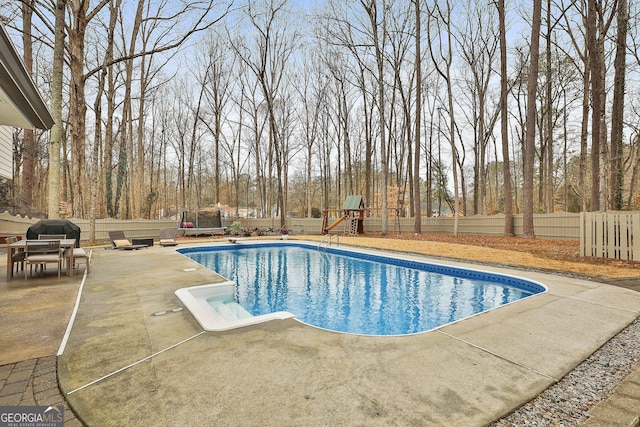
[{"x": 283, "y": 108}]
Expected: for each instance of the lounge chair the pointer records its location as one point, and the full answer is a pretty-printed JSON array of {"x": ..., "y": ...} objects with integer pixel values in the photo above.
[
  {"x": 168, "y": 237},
  {"x": 119, "y": 241}
]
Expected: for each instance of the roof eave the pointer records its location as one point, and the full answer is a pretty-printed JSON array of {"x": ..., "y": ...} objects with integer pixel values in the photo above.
[{"x": 20, "y": 102}]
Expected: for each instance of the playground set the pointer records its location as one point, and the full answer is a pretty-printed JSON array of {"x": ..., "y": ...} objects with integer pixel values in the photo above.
[{"x": 352, "y": 214}]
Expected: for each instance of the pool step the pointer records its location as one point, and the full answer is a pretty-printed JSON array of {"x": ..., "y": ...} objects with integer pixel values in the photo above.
[{"x": 229, "y": 310}]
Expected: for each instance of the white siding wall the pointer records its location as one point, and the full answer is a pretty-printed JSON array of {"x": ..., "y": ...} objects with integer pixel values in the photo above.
[{"x": 6, "y": 152}]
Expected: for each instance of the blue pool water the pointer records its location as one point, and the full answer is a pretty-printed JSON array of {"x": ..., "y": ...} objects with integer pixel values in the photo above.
[{"x": 357, "y": 293}]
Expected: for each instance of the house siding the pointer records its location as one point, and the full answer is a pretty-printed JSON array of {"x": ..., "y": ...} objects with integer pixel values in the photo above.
[{"x": 6, "y": 152}]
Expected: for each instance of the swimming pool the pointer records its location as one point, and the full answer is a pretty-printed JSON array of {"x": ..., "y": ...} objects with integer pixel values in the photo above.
[{"x": 346, "y": 290}]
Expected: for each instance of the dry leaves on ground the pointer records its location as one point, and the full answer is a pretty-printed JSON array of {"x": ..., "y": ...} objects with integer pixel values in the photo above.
[{"x": 561, "y": 255}]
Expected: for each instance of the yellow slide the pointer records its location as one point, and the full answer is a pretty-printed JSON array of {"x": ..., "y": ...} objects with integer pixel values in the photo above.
[{"x": 338, "y": 221}]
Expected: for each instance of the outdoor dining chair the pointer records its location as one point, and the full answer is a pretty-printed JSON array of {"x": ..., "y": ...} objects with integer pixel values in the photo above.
[
  {"x": 41, "y": 253},
  {"x": 79, "y": 254},
  {"x": 17, "y": 258},
  {"x": 51, "y": 236}
]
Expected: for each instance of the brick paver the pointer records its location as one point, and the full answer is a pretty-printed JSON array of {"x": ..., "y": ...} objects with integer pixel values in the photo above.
[{"x": 34, "y": 383}]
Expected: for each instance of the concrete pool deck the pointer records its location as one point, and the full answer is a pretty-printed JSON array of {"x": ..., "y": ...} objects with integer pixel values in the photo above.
[{"x": 122, "y": 365}]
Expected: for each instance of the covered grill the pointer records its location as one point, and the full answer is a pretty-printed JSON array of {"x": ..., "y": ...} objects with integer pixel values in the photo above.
[{"x": 54, "y": 226}]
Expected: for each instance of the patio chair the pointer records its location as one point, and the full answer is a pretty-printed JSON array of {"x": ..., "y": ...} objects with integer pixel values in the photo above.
[
  {"x": 79, "y": 254},
  {"x": 51, "y": 236},
  {"x": 42, "y": 252},
  {"x": 17, "y": 258},
  {"x": 168, "y": 237},
  {"x": 48, "y": 237},
  {"x": 120, "y": 242}
]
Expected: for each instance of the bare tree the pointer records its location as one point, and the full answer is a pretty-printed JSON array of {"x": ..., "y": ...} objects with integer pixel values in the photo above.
[
  {"x": 504, "y": 123},
  {"x": 417, "y": 201},
  {"x": 187, "y": 139},
  {"x": 133, "y": 201},
  {"x": 359, "y": 127},
  {"x": 595, "y": 69},
  {"x": 401, "y": 116},
  {"x": 29, "y": 143},
  {"x": 597, "y": 26},
  {"x": 216, "y": 82},
  {"x": 351, "y": 29},
  {"x": 616, "y": 180},
  {"x": 478, "y": 44},
  {"x": 547, "y": 178},
  {"x": 339, "y": 71},
  {"x": 233, "y": 146},
  {"x": 529, "y": 149},
  {"x": 440, "y": 18},
  {"x": 81, "y": 16},
  {"x": 371, "y": 8},
  {"x": 581, "y": 53},
  {"x": 312, "y": 91},
  {"x": 56, "y": 110},
  {"x": 267, "y": 59},
  {"x": 114, "y": 8}
]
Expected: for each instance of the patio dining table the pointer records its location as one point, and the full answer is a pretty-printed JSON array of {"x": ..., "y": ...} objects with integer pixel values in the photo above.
[{"x": 22, "y": 244}]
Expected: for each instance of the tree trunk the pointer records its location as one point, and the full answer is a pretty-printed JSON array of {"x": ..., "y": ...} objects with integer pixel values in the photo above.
[
  {"x": 417, "y": 200},
  {"x": 133, "y": 173},
  {"x": 78, "y": 106},
  {"x": 548, "y": 178},
  {"x": 504, "y": 123},
  {"x": 371, "y": 8},
  {"x": 29, "y": 147},
  {"x": 617, "y": 111},
  {"x": 595, "y": 64},
  {"x": 111, "y": 206},
  {"x": 584, "y": 134},
  {"x": 140, "y": 192},
  {"x": 530, "y": 141},
  {"x": 97, "y": 143},
  {"x": 56, "y": 110}
]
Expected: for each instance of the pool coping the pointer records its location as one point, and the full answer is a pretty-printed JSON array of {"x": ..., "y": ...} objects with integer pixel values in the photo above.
[{"x": 286, "y": 373}]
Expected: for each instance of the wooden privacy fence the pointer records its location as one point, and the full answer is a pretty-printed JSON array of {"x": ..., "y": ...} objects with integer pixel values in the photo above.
[
  {"x": 601, "y": 234},
  {"x": 610, "y": 235},
  {"x": 17, "y": 225},
  {"x": 562, "y": 226}
]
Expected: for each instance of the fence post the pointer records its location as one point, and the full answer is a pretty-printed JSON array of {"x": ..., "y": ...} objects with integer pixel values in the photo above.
[
  {"x": 583, "y": 234},
  {"x": 635, "y": 237}
]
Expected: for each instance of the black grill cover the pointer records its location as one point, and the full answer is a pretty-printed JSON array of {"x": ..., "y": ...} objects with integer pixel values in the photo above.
[{"x": 54, "y": 226}]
